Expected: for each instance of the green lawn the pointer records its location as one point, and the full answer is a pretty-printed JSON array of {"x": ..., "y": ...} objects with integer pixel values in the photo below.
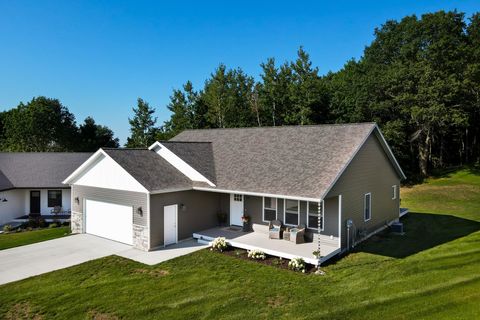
[
  {"x": 10, "y": 240},
  {"x": 433, "y": 272}
]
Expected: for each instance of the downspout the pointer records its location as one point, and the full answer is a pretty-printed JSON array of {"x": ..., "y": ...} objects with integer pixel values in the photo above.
[{"x": 321, "y": 209}]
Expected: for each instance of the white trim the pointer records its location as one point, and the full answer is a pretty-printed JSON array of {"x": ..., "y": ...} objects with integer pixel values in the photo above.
[
  {"x": 323, "y": 215},
  {"x": 369, "y": 206},
  {"x": 263, "y": 208},
  {"x": 179, "y": 163},
  {"x": 388, "y": 151},
  {"x": 149, "y": 221},
  {"x": 339, "y": 220},
  {"x": 170, "y": 190},
  {"x": 84, "y": 165},
  {"x": 259, "y": 194},
  {"x": 71, "y": 178},
  {"x": 285, "y": 211},
  {"x": 394, "y": 187}
]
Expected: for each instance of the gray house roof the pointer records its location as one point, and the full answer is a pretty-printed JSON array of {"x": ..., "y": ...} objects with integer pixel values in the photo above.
[
  {"x": 199, "y": 155},
  {"x": 149, "y": 169},
  {"x": 38, "y": 169},
  {"x": 301, "y": 161}
]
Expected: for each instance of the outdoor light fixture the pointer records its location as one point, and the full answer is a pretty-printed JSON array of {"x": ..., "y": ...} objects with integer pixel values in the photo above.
[
  {"x": 77, "y": 200},
  {"x": 183, "y": 207},
  {"x": 140, "y": 211}
]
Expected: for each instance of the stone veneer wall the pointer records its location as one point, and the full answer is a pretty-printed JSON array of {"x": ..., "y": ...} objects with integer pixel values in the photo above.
[
  {"x": 76, "y": 222},
  {"x": 140, "y": 237}
]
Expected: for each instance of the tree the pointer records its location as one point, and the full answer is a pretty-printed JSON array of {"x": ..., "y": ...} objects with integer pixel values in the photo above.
[
  {"x": 92, "y": 136},
  {"x": 43, "y": 124},
  {"x": 142, "y": 126}
]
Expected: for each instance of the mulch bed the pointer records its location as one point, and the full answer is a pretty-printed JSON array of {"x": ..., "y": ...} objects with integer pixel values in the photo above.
[{"x": 273, "y": 261}]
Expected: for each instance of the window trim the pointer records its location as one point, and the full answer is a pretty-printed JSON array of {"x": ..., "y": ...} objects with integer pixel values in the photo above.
[
  {"x": 323, "y": 215},
  {"x": 285, "y": 211},
  {"x": 394, "y": 187},
  {"x": 365, "y": 206},
  {"x": 48, "y": 198},
  {"x": 263, "y": 209}
]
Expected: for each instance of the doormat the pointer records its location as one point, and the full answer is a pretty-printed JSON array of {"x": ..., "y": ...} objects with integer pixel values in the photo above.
[{"x": 234, "y": 228}]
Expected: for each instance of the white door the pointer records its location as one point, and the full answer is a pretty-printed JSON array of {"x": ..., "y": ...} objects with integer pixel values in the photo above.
[
  {"x": 109, "y": 220},
  {"x": 236, "y": 209},
  {"x": 170, "y": 224}
]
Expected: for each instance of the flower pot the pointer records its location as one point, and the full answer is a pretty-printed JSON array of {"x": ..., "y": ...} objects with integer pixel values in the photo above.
[{"x": 246, "y": 227}]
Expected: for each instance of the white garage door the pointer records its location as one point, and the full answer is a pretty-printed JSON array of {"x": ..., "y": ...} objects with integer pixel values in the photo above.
[{"x": 109, "y": 220}]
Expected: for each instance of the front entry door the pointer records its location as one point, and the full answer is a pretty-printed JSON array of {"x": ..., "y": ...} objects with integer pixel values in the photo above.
[
  {"x": 34, "y": 201},
  {"x": 170, "y": 219},
  {"x": 236, "y": 209}
]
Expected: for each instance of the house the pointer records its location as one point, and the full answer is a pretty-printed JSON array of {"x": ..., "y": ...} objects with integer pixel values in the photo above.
[
  {"x": 31, "y": 182},
  {"x": 345, "y": 174}
]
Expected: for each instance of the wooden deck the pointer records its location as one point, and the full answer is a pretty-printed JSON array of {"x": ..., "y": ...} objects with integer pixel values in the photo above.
[{"x": 274, "y": 247}]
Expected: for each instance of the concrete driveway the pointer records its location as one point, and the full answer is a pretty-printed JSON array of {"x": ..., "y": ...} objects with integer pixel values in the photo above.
[{"x": 42, "y": 257}]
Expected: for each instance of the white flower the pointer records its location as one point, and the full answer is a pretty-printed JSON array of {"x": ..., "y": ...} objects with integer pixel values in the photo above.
[
  {"x": 219, "y": 243},
  {"x": 297, "y": 264},
  {"x": 256, "y": 254}
]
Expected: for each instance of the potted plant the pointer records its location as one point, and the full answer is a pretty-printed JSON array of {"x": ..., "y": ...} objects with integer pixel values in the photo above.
[{"x": 245, "y": 220}]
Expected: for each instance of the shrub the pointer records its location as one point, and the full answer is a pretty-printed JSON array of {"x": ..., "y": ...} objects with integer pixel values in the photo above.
[
  {"x": 297, "y": 264},
  {"x": 219, "y": 244},
  {"x": 42, "y": 223},
  {"x": 33, "y": 222},
  {"x": 53, "y": 225},
  {"x": 7, "y": 228},
  {"x": 256, "y": 254}
]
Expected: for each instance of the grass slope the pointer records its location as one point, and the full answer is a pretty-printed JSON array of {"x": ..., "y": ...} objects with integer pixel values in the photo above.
[
  {"x": 11, "y": 240},
  {"x": 433, "y": 272}
]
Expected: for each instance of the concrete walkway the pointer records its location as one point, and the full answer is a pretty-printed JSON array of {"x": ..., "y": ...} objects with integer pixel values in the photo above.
[{"x": 42, "y": 257}]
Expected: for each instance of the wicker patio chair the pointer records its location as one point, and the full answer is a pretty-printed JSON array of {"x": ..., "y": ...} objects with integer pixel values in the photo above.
[
  {"x": 275, "y": 229},
  {"x": 297, "y": 235}
]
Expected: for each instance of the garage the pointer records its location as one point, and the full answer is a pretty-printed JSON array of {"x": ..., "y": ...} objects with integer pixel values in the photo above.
[{"x": 109, "y": 220}]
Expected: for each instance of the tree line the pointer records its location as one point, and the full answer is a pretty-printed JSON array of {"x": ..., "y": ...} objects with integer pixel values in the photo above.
[
  {"x": 44, "y": 124},
  {"x": 419, "y": 80}
]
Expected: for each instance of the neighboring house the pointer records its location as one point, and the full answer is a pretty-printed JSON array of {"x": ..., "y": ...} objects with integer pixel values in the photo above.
[
  {"x": 31, "y": 182},
  {"x": 157, "y": 196}
]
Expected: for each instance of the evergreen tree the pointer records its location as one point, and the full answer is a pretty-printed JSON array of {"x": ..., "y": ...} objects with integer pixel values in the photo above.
[
  {"x": 142, "y": 126},
  {"x": 92, "y": 136}
]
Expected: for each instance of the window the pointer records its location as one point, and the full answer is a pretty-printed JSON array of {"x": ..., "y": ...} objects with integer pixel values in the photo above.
[
  {"x": 237, "y": 197},
  {"x": 54, "y": 198},
  {"x": 394, "y": 192},
  {"x": 312, "y": 218},
  {"x": 269, "y": 209},
  {"x": 291, "y": 212},
  {"x": 367, "y": 207}
]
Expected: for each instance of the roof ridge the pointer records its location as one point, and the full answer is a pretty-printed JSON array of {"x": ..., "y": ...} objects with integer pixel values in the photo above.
[{"x": 287, "y": 126}]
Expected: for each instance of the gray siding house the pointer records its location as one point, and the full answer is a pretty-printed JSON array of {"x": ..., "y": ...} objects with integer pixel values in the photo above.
[{"x": 339, "y": 181}]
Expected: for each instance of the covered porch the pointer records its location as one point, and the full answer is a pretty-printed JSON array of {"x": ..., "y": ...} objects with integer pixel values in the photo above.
[{"x": 275, "y": 247}]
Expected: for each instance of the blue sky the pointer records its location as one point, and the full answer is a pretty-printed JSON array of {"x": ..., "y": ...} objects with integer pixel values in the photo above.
[{"x": 97, "y": 57}]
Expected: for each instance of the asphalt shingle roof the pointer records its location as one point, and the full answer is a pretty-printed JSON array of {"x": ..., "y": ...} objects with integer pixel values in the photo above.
[
  {"x": 38, "y": 169},
  {"x": 298, "y": 161},
  {"x": 149, "y": 169},
  {"x": 198, "y": 155}
]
